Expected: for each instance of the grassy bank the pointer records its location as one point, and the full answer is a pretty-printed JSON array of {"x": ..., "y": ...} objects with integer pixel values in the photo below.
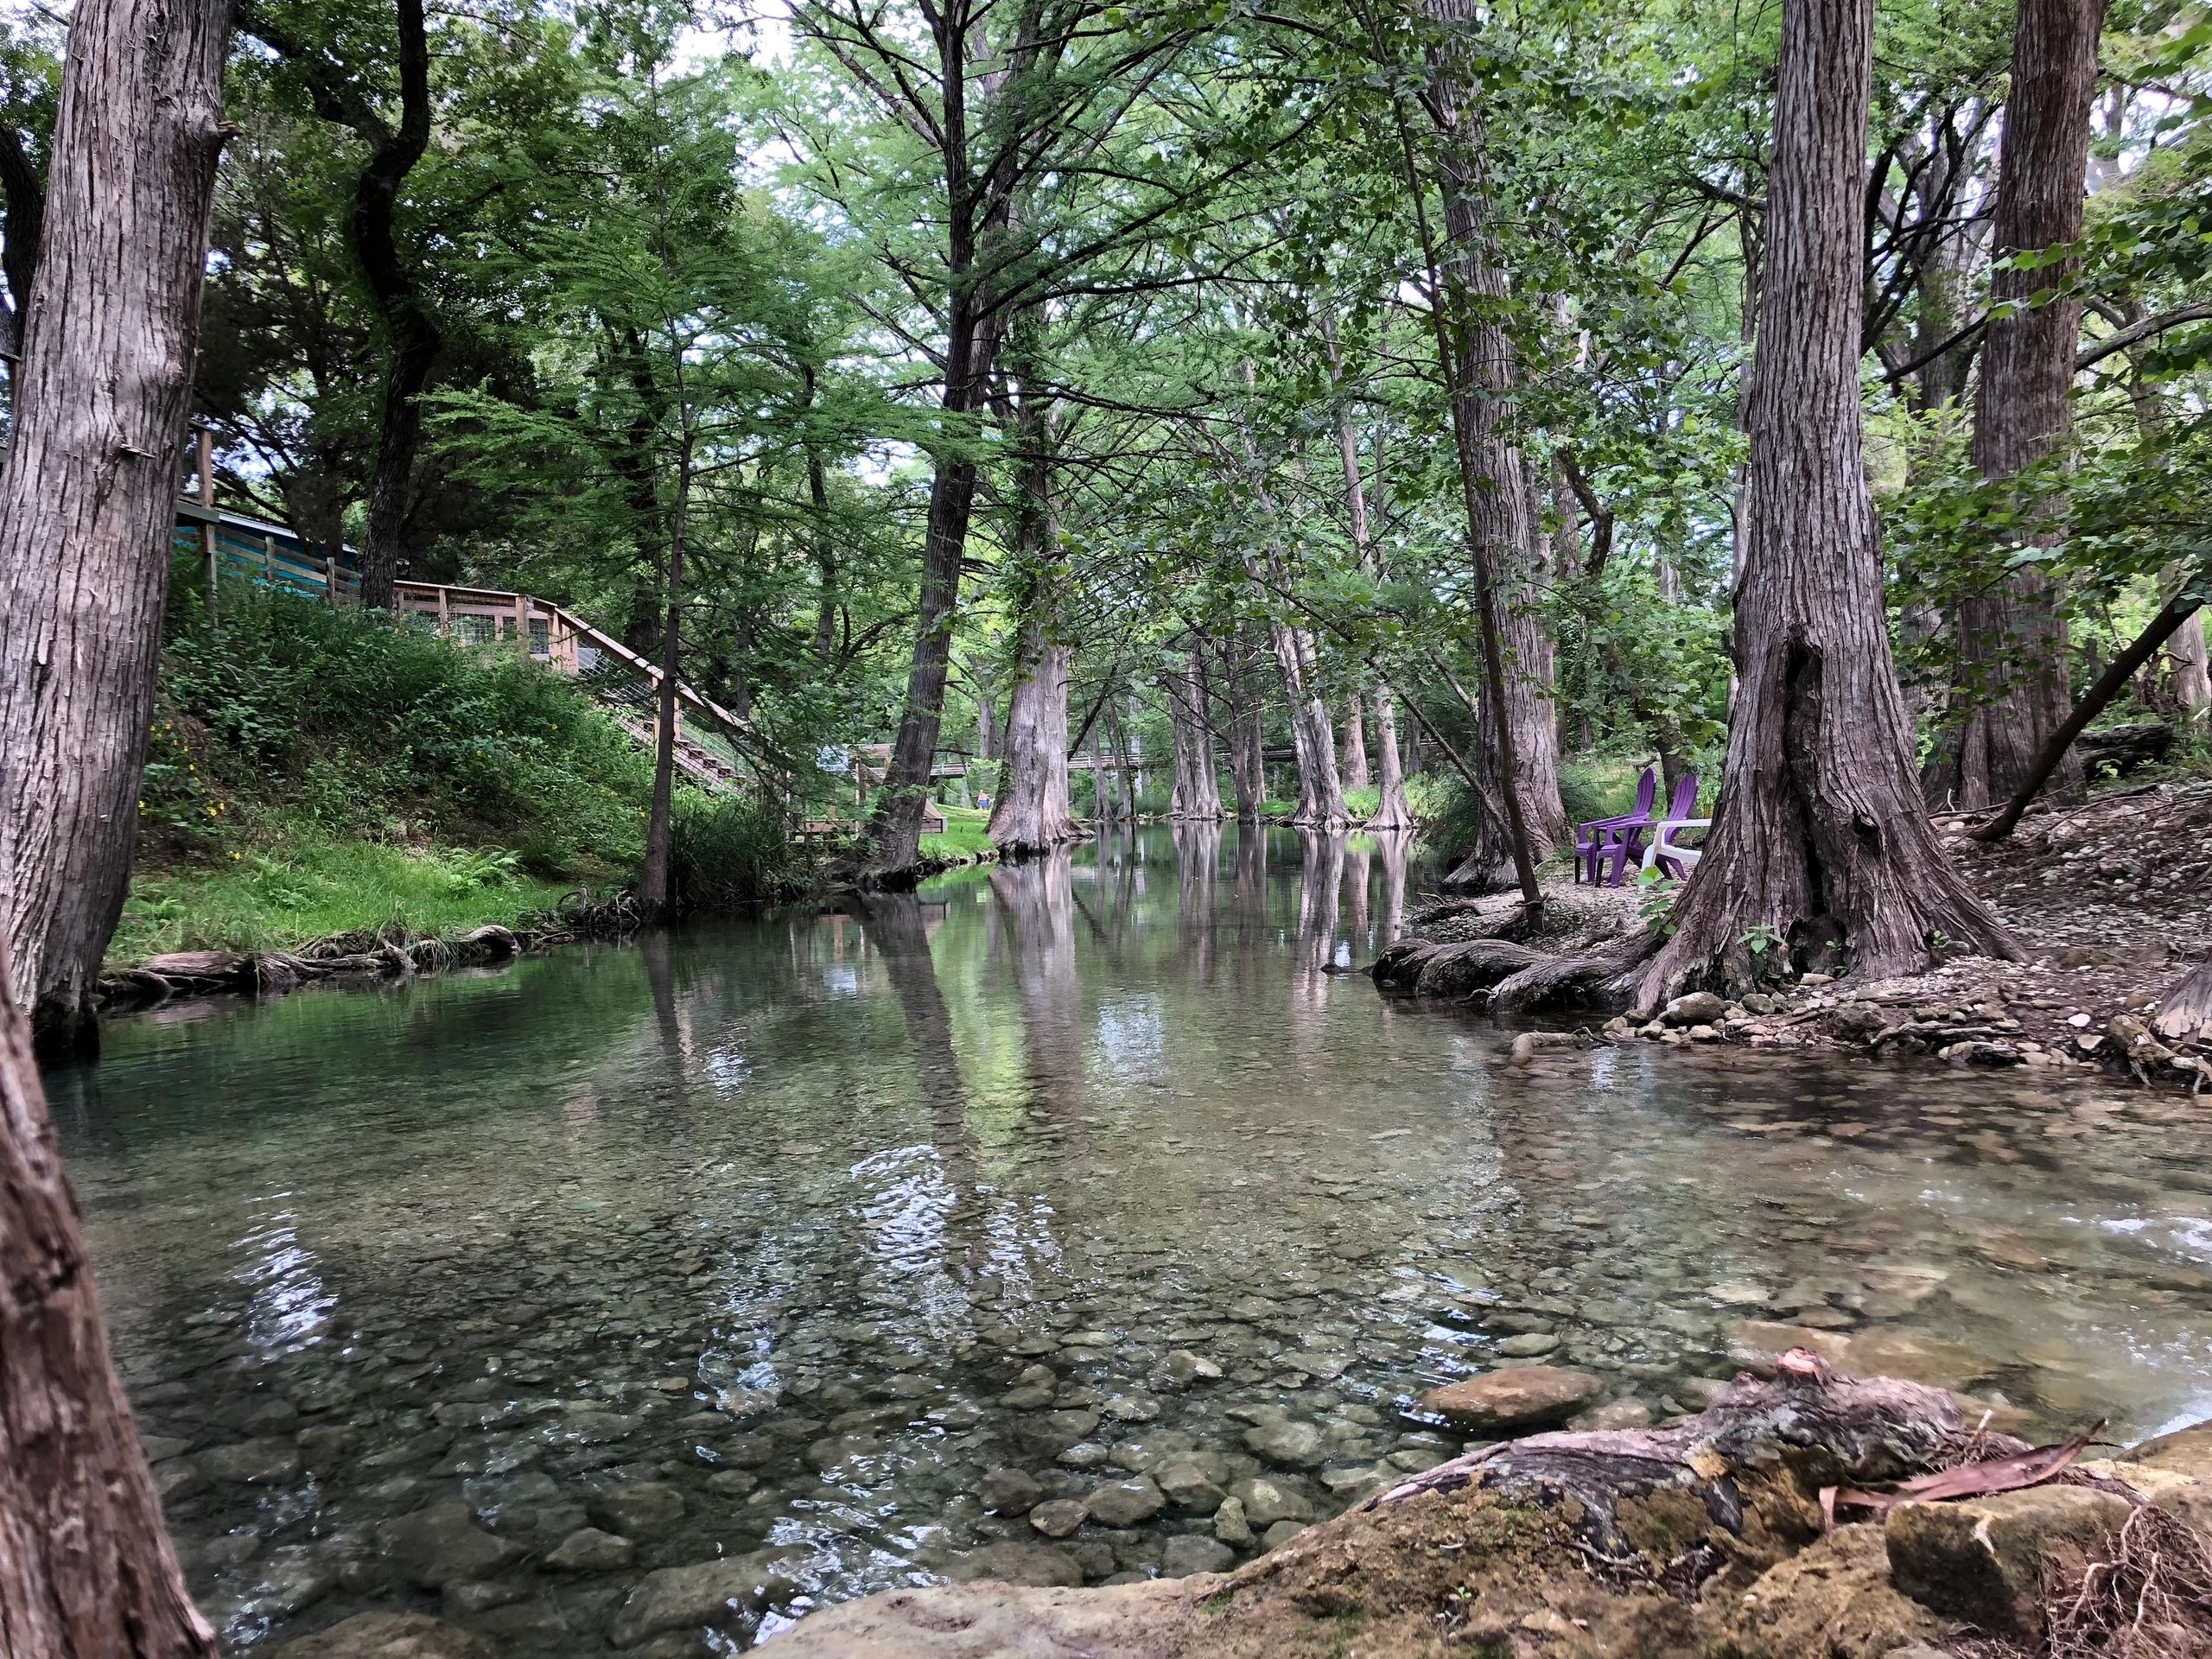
[
  {"x": 317, "y": 771},
  {"x": 963, "y": 836},
  {"x": 309, "y": 884}
]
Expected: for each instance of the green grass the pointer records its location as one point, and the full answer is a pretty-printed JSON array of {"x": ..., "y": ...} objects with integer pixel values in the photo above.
[
  {"x": 310, "y": 884},
  {"x": 963, "y": 836}
]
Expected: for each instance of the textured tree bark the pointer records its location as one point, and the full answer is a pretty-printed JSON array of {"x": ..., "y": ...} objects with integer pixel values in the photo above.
[
  {"x": 1201, "y": 780},
  {"x": 653, "y": 893},
  {"x": 895, "y": 830},
  {"x": 1391, "y": 811},
  {"x": 1033, "y": 812},
  {"x": 1246, "y": 769},
  {"x": 86, "y": 1567},
  {"x": 88, "y": 498},
  {"x": 2185, "y": 1015},
  {"x": 1520, "y": 741},
  {"x": 1353, "y": 768},
  {"x": 1321, "y": 792},
  {"x": 2012, "y": 639},
  {"x": 1820, "y": 836}
]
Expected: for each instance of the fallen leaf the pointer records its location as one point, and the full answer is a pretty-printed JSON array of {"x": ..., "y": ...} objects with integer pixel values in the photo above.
[{"x": 2010, "y": 1474}]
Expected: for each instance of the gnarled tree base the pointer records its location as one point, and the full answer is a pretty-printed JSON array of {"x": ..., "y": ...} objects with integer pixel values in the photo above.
[{"x": 2185, "y": 1015}]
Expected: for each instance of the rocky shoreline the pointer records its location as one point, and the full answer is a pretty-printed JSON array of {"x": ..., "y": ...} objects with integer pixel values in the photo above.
[{"x": 1716, "y": 1535}]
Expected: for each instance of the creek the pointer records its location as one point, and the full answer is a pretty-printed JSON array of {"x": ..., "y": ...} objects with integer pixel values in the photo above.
[{"x": 490, "y": 1294}]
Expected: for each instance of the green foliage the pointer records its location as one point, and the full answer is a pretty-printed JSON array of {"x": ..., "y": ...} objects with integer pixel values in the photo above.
[
  {"x": 362, "y": 723},
  {"x": 306, "y": 882},
  {"x": 964, "y": 835},
  {"x": 724, "y": 853}
]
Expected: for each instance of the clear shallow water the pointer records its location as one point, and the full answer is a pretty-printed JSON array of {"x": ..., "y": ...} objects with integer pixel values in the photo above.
[{"x": 774, "y": 1221}]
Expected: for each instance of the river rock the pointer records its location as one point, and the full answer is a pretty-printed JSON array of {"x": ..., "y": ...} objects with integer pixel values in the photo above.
[
  {"x": 1984, "y": 1559},
  {"x": 1698, "y": 1008},
  {"x": 1281, "y": 1534},
  {"x": 704, "y": 1593},
  {"x": 1183, "y": 1367},
  {"x": 1058, "y": 1518},
  {"x": 1229, "y": 1524},
  {"x": 257, "y": 1462},
  {"x": 589, "y": 1550},
  {"x": 1037, "y": 1565},
  {"x": 1126, "y": 1503},
  {"x": 1187, "y": 1487},
  {"x": 442, "y": 1544},
  {"x": 1010, "y": 1492},
  {"x": 637, "y": 1508},
  {"x": 2175, "y": 1472},
  {"x": 1292, "y": 1444},
  {"x": 1534, "y": 1345},
  {"x": 1190, "y": 1553},
  {"x": 388, "y": 1636},
  {"x": 1514, "y": 1398},
  {"x": 1261, "y": 1503}
]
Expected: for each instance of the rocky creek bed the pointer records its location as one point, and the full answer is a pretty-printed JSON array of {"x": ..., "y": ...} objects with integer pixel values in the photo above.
[{"x": 649, "y": 1300}]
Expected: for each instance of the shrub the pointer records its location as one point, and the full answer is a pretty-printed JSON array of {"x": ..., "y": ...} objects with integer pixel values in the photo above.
[{"x": 724, "y": 852}]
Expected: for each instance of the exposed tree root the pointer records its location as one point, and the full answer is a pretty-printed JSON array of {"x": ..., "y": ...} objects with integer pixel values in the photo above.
[{"x": 2151, "y": 1600}]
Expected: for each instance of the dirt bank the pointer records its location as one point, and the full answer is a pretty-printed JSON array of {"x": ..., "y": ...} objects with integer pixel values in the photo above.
[{"x": 2109, "y": 899}]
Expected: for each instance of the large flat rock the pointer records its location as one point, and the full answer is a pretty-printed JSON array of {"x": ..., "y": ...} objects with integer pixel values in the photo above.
[{"x": 1519, "y": 1398}]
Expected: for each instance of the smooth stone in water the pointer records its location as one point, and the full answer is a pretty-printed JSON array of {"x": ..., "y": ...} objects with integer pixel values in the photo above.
[
  {"x": 438, "y": 1545},
  {"x": 1261, "y": 1503},
  {"x": 1527, "y": 1393},
  {"x": 1229, "y": 1524},
  {"x": 590, "y": 1550},
  {"x": 1126, "y": 1503},
  {"x": 257, "y": 1462},
  {"x": 637, "y": 1508},
  {"x": 704, "y": 1593},
  {"x": 1010, "y": 1492},
  {"x": 388, "y": 1636},
  {"x": 1531, "y": 1346},
  {"x": 1293, "y": 1445},
  {"x": 1188, "y": 1553},
  {"x": 1058, "y": 1518},
  {"x": 1281, "y": 1534},
  {"x": 1185, "y": 1486}
]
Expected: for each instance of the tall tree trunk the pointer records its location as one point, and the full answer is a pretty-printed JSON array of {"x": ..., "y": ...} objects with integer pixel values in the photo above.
[
  {"x": 653, "y": 892},
  {"x": 2192, "y": 684},
  {"x": 86, "y": 1567},
  {"x": 1392, "y": 810},
  {"x": 1821, "y": 837},
  {"x": 825, "y": 544},
  {"x": 1354, "y": 767},
  {"x": 1320, "y": 795},
  {"x": 2012, "y": 638},
  {"x": 1032, "y": 813},
  {"x": 1180, "y": 790},
  {"x": 895, "y": 831},
  {"x": 1246, "y": 767},
  {"x": 1205, "y": 769},
  {"x": 88, "y": 498},
  {"x": 1521, "y": 744}
]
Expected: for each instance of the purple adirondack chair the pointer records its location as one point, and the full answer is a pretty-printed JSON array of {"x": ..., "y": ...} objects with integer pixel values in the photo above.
[
  {"x": 1593, "y": 840},
  {"x": 1630, "y": 840}
]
